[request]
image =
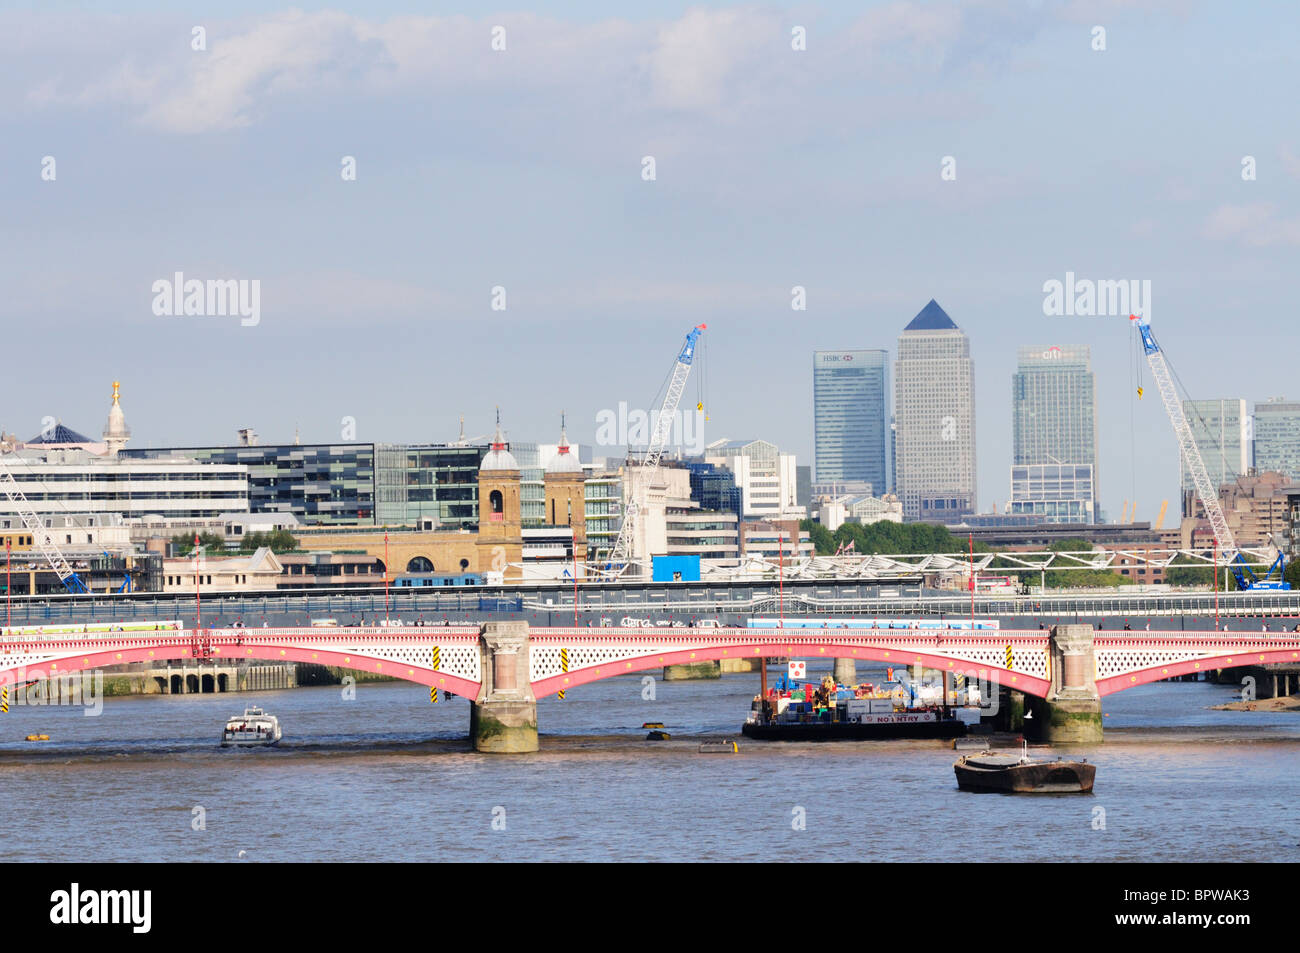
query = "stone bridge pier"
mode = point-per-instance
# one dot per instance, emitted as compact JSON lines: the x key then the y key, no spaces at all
{"x":503,"y":718}
{"x":1071,"y":712}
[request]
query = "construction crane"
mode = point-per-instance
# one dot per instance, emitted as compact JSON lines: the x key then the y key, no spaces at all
{"x":1206,"y":492}
{"x":616,"y":562}
{"x":41,"y":538}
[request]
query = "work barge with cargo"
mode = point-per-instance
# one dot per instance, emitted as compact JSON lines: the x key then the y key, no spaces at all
{"x":832,"y":712}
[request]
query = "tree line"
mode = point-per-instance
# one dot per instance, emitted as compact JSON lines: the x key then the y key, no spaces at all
{"x":279,"y":541}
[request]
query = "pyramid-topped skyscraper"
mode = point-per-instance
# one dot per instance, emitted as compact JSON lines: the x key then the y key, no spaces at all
{"x":934,"y":409}
{"x":932,"y":318}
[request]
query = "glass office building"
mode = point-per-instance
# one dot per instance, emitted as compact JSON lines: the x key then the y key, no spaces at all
{"x":1277,"y":437}
{"x":532,"y":483}
{"x":1053,"y":406}
{"x":1054,"y":434}
{"x":379,"y":484}
{"x":714,"y":488}
{"x":422,"y":482}
{"x":1220,"y":430}
{"x":603,"y":510}
{"x":851,"y":423}
{"x":1054,"y":493}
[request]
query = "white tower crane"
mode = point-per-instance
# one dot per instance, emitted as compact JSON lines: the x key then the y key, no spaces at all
{"x":42,"y":539}
{"x":618,"y":556}
{"x":1206,"y":491}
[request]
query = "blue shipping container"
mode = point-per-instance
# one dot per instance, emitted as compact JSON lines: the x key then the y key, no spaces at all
{"x":675,"y":568}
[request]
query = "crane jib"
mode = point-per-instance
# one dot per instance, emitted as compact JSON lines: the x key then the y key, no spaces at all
{"x":1148,"y":339}
{"x":617,"y":560}
{"x":1206,"y":491}
{"x":688,"y":349}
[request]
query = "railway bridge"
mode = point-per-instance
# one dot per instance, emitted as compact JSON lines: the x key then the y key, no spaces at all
{"x":504,"y":667}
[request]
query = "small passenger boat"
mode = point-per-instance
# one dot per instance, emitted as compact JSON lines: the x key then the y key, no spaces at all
{"x":254,"y":728}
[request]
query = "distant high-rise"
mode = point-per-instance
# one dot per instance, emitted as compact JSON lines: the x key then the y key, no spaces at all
{"x":1220,"y":430}
{"x":851,"y":417}
{"x":765,"y":476}
{"x":934,"y":410}
{"x":1054,"y":435}
{"x":1277,"y":437}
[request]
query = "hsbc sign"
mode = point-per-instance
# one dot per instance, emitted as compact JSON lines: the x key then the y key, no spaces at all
{"x":834,"y":358}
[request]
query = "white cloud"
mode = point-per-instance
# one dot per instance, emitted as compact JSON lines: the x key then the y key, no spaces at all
{"x":1254,"y":224}
{"x":730,"y":64}
{"x":698,"y":61}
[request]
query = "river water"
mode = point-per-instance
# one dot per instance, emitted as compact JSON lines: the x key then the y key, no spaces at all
{"x":388,"y":776}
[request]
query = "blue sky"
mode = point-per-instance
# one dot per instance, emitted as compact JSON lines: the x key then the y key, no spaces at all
{"x":522,"y":169}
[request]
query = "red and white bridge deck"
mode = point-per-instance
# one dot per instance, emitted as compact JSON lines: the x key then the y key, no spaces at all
{"x":450,"y":657}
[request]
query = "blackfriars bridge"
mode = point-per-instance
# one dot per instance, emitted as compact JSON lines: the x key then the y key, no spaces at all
{"x":504,"y":666}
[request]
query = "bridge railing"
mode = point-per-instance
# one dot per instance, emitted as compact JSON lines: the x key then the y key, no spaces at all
{"x":681,"y":599}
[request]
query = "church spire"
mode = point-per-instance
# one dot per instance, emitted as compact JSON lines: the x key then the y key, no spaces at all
{"x":116,"y":433}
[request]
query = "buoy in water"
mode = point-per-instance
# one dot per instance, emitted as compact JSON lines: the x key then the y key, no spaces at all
{"x":719,"y":747}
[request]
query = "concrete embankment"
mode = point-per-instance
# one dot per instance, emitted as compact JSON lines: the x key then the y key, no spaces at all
{"x":178,"y":679}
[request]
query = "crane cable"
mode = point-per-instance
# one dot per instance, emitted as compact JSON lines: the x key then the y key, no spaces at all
{"x":701,"y":376}
{"x":1134,"y":378}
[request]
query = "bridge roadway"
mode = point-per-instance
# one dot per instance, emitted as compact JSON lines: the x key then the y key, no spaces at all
{"x":609,"y":604}
{"x":451,"y":658}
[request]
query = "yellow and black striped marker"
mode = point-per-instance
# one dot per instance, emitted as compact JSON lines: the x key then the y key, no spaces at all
{"x":437,"y":658}
{"x":1008,"y":658}
{"x":433,"y":694}
{"x":564,"y":667}
{"x":4,"y":699}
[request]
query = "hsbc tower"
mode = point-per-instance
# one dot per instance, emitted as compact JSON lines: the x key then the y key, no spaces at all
{"x":851,"y":432}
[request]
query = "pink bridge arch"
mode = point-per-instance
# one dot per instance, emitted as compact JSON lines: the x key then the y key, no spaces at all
{"x":596,"y":654}
{"x":1129,"y":660}
{"x":448,"y":657}
{"x":402,"y":653}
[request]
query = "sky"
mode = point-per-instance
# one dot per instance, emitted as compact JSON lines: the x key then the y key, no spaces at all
{"x":127,"y":155}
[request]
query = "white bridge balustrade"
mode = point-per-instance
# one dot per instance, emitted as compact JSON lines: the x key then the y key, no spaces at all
{"x":450,"y":657}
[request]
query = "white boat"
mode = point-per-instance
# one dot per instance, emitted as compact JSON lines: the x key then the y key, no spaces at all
{"x":252,"y":729}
